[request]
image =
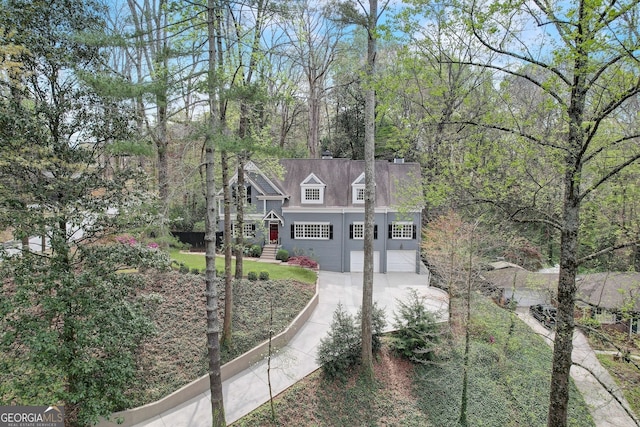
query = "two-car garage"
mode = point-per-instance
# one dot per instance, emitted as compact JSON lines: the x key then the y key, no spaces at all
{"x":397,"y":261}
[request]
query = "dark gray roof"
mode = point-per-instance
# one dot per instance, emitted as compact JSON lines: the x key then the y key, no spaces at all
{"x":262,"y":183}
{"x":394,"y":181}
{"x":607,"y":290}
{"x":507,"y":278}
{"x":610,"y":290}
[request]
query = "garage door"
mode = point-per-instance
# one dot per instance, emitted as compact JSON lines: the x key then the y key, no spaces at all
{"x":357,"y":262}
{"x":401,"y":261}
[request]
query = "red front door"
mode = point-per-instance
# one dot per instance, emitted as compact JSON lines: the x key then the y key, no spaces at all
{"x":273,"y":233}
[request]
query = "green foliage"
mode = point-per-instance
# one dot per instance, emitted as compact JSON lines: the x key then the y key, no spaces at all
{"x":184,"y":269}
{"x":82,"y":334}
{"x":340,"y":350}
{"x":282,"y":255}
{"x":195,"y":271}
{"x":264,"y":275}
{"x":70,"y":318}
{"x":508,"y":379}
{"x":416,"y":334}
{"x":252,"y":276}
{"x":255,"y":251}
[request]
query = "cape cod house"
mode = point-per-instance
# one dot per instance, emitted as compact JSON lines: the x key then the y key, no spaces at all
{"x":315,"y":207}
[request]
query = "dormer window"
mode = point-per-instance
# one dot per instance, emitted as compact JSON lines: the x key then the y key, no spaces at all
{"x":312,"y":190}
{"x":357,"y":189}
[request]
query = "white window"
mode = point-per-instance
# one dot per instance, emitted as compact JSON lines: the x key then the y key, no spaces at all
{"x":312,"y":195}
{"x":249,"y":230}
{"x":357,"y":189}
{"x":312,"y":190}
{"x":315,"y":231}
{"x":401,"y":230}
{"x":358,"y":230}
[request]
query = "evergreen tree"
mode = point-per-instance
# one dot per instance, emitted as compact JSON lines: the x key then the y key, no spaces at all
{"x":71,"y":323}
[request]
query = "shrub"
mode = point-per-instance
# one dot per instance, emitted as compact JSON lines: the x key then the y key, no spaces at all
{"x":252,"y":276}
{"x":378,"y":323}
{"x":255,"y":251}
{"x":282,"y":255}
{"x":416,"y":329}
{"x":303,"y":261}
{"x":183,"y":268}
{"x":195,"y":271}
{"x":340,"y":350}
{"x":264,"y":275}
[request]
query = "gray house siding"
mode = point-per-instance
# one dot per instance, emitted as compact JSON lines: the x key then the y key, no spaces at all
{"x":326,"y":251}
{"x":310,"y":210}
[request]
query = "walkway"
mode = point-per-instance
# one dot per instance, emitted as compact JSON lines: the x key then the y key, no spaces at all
{"x":605,"y":410}
{"x":248,"y":390}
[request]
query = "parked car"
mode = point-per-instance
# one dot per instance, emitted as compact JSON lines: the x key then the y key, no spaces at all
{"x":545,"y":314}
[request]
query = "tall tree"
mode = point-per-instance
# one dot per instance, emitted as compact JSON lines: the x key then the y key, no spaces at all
{"x":583,"y":61}
{"x":213,"y":324}
{"x":315,"y":43}
{"x":367,"y":17}
{"x":369,"y":187}
{"x":151,"y":55}
{"x":72,"y":325}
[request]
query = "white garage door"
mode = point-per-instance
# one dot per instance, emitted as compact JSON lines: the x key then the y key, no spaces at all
{"x":357,"y":262}
{"x":401,"y":261}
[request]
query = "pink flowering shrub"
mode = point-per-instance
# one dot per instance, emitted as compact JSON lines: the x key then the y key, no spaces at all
{"x":303,"y":261}
{"x":126,"y":240}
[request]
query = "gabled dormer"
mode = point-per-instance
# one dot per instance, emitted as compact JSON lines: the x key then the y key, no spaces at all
{"x":312,"y":190}
{"x":357,"y":190}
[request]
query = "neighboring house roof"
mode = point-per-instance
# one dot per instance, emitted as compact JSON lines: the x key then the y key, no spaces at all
{"x":607,"y":290}
{"x":393,"y":180}
{"x":610,"y":290}
{"x":518,"y":277}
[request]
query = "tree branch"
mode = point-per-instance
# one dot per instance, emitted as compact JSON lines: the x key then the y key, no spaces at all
{"x":607,"y":250}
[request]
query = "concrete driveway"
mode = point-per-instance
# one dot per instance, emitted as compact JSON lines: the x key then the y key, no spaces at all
{"x":606,"y":410}
{"x":249,"y":389}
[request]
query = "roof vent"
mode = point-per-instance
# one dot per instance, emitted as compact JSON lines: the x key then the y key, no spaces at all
{"x":326,"y":154}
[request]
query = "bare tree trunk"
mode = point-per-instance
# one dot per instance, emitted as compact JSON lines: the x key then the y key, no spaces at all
{"x":240,"y":198}
{"x":314,"y":123}
{"x":563,"y":345}
{"x":228,"y":246}
{"x":213,"y":324}
{"x":369,"y":194}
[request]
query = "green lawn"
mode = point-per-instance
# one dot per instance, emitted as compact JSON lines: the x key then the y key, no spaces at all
{"x":276,"y":271}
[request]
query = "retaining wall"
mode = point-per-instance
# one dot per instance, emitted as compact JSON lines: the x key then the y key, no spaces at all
{"x":141,"y":414}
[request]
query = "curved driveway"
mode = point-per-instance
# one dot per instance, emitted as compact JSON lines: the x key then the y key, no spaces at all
{"x":249,"y":389}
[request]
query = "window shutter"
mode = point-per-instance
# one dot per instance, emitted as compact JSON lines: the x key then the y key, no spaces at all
{"x":330,"y":231}
{"x":375,"y":231}
{"x":293,"y":231}
{"x":351,"y":231}
{"x":390,"y":230}
{"x":414,"y":230}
